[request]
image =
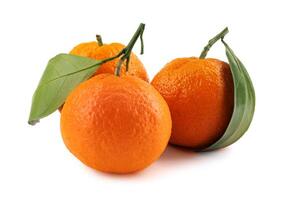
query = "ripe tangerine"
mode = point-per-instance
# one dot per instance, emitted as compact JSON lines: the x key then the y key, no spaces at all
{"x":200,"y":96}
{"x":116,"y":124}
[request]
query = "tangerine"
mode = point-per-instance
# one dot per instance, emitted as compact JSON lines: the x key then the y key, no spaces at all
{"x":200,"y":96}
{"x":102,"y":51}
{"x":117,"y":124}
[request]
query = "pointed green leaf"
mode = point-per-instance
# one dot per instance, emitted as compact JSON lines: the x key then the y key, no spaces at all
{"x":62,"y":74}
{"x":244,"y":103}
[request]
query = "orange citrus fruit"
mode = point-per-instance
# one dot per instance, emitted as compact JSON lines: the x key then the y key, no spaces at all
{"x":200,"y":96}
{"x":94,"y":50}
{"x":116,"y":124}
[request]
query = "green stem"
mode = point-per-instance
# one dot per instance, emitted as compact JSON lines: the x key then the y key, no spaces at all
{"x":128,"y":49}
{"x":99,"y":40}
{"x":125,"y":53}
{"x":211,"y":42}
{"x":111,"y":58}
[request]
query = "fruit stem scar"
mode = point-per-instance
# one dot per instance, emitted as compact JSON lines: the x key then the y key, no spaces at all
{"x":99,"y":40}
{"x":211,"y":42}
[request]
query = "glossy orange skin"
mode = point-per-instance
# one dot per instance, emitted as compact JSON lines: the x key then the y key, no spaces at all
{"x":200,"y":96}
{"x":93,"y":50}
{"x":116,"y":124}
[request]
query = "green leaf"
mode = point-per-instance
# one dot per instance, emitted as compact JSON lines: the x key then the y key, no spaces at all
{"x":244,"y":103}
{"x":62,"y":74}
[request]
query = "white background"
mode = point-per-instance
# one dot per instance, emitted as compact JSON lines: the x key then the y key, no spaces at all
{"x":34,"y":163}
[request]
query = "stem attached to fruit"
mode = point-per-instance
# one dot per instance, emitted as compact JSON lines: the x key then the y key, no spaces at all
{"x":99,"y":40}
{"x":126,"y":52}
{"x":221,"y":35}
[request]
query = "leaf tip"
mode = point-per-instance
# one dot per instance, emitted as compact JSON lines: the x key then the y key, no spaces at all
{"x":33,"y":122}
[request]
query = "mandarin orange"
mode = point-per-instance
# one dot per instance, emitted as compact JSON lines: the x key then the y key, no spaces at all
{"x":103,"y":51}
{"x":117,"y":124}
{"x":200,"y":95}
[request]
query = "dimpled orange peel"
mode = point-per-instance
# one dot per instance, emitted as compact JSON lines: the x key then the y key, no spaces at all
{"x":116,"y":124}
{"x":199,"y":93}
